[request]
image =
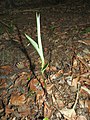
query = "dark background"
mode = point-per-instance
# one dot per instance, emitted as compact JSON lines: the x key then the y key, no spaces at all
{"x":37,"y":3}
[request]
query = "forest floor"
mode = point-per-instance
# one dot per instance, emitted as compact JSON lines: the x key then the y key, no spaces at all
{"x":63,"y":93}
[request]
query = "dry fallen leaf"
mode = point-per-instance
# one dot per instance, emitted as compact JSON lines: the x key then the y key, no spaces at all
{"x":81,"y":118}
{"x":85,"y":81}
{"x":49,"y":88}
{"x":1,"y":107}
{"x":82,"y":103}
{"x":5,"y":36}
{"x":47,"y":110}
{"x":57,"y":100}
{"x":24,"y":110}
{"x":87,"y":74}
{"x":8,"y":110}
{"x":6,"y":69}
{"x":87,"y":53}
{"x":40,"y":97}
{"x":14,"y":118}
{"x":37,"y":84}
{"x":69,"y":114}
{"x":85,"y":89}
{"x":87,"y":105}
{"x":83,"y":62}
{"x":51,"y":69}
{"x":22,"y":79}
{"x":22,"y":64}
{"x":17,"y":99}
{"x":33,"y":84}
{"x":60,"y":103}
{"x":75,"y":63}
{"x":69,"y":80}
{"x":3,"y":83}
{"x":57,"y":75}
{"x":75,"y":82}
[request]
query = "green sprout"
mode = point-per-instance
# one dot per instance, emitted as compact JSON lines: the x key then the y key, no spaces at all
{"x":38,"y":46}
{"x":45,"y":118}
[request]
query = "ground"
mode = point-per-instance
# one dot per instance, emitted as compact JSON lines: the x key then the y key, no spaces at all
{"x":63,"y":91}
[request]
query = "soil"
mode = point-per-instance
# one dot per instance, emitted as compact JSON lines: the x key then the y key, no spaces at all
{"x":65,"y":31}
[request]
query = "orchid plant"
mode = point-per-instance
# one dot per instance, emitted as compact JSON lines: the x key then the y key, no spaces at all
{"x":38,"y":46}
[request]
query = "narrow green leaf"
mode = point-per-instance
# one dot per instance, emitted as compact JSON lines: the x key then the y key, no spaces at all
{"x":44,"y":68}
{"x":39,"y":38}
{"x":38,"y":32}
{"x":35,"y":45}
